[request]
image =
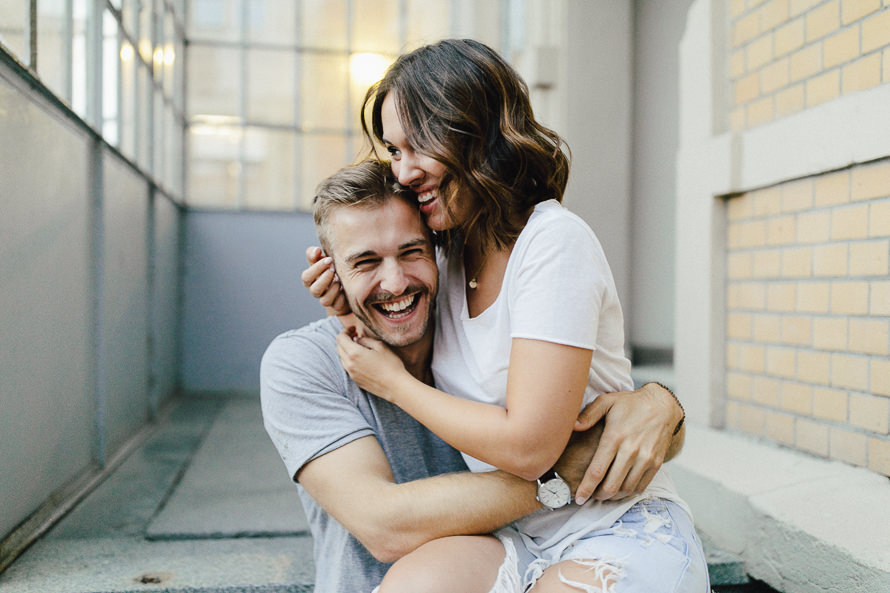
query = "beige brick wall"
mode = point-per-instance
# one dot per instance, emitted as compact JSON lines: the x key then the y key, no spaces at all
{"x":789,"y":55}
{"x":808,"y":297}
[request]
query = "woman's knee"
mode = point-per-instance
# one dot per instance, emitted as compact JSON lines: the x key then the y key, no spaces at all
{"x":446,"y":565}
{"x":587,"y":576}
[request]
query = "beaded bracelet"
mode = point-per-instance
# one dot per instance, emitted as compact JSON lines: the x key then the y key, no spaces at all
{"x":676,"y":399}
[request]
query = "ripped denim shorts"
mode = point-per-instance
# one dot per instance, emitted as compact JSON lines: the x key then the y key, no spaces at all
{"x":652,"y":548}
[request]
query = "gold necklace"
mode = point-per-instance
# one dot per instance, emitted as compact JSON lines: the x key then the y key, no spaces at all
{"x":473,"y":283}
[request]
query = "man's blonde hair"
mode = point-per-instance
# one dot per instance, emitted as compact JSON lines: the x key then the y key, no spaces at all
{"x":366,"y":184}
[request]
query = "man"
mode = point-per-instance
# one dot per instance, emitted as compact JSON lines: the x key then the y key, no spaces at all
{"x":374,"y":483}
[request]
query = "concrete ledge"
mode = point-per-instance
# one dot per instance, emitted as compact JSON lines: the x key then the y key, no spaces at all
{"x":800,"y":523}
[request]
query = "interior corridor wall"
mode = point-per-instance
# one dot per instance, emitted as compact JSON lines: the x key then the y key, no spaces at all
{"x":89,"y":290}
{"x":241,"y":288}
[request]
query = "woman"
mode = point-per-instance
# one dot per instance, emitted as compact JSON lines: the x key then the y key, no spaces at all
{"x":529,"y":328}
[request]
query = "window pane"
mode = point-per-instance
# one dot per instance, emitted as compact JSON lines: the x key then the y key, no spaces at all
{"x":427,"y":22}
{"x":272,"y":21}
{"x":159,"y":142}
{"x":214,"y":85}
{"x":376,"y":26}
{"x":270,"y":86}
{"x":144,"y":107}
{"x":79,"y":59}
{"x":480,"y":21}
{"x":173,"y":154}
{"x":169,"y":53}
{"x":269,"y":169}
{"x":128,"y":100}
{"x":179,"y":75}
{"x":324,"y":24}
{"x":52,"y":47}
{"x":130,"y":16}
{"x":13,"y":23}
{"x":214,"y":167}
{"x":323,"y":92}
{"x":110,"y":72}
{"x":215,"y":20}
{"x":365,"y":69}
{"x":321,"y":155}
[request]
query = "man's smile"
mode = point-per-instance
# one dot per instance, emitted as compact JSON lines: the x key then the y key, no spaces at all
{"x":398,"y":308}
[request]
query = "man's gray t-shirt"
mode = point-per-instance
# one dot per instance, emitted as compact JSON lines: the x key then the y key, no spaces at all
{"x":311,"y":407}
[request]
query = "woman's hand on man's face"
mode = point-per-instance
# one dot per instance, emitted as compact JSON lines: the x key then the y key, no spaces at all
{"x":322,"y":282}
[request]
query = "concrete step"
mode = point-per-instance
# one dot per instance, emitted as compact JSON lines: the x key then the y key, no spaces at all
{"x":203,"y":505}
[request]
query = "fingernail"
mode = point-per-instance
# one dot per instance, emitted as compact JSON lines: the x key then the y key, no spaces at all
{"x":336,"y":278}
{"x":579,"y":500}
{"x":327,"y":260}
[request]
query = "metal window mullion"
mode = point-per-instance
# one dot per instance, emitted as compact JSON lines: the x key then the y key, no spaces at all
{"x":403,"y":25}
{"x":241,"y":197}
{"x":93,"y":52}
{"x":350,"y":31}
{"x":67,"y":48}
{"x":31,"y":34}
{"x":454,"y":18}
{"x":505,"y":29}
{"x":298,"y":107}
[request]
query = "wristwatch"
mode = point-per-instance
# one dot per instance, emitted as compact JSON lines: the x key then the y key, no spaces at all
{"x":553,"y":491}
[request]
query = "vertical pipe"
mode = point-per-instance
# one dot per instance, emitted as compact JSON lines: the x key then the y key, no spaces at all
{"x":97,"y":260}
{"x":31,"y":35}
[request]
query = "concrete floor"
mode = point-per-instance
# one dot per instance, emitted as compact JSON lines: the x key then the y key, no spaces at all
{"x":203,"y":504}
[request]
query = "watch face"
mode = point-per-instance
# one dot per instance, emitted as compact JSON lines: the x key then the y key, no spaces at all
{"x":554,"y":493}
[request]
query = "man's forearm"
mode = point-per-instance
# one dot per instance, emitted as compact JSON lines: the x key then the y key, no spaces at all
{"x":452,"y":504}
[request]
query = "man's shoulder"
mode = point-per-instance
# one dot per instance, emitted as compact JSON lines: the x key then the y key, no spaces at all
{"x":301,"y":346}
{"x":322,"y":330}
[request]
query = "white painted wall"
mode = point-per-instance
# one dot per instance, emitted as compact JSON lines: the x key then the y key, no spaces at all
{"x":241,"y":288}
{"x":125,"y":312}
{"x":46,"y":400}
{"x":76,"y":258}
{"x":597,"y":94}
{"x":658,"y":27}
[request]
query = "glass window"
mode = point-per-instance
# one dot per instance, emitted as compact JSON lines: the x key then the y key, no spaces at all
{"x":78,"y":56}
{"x":173,"y":154}
{"x":110,"y":79}
{"x":272,"y":21}
{"x":214,"y":170}
{"x":214,"y":83}
{"x":324,"y":24}
{"x":128,"y":115}
{"x":170,"y":56}
{"x":320,"y":155}
{"x":376,"y":26}
{"x":145,"y":110}
{"x":426,"y":22}
{"x":159,"y":140}
{"x":53,"y":47}
{"x":323,"y":92}
{"x":269,"y":169}
{"x":14,"y":28}
{"x":125,"y":86}
{"x":215,"y":20}
{"x":271,"y":86}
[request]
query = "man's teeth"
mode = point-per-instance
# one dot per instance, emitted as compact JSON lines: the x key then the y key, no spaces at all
{"x":426,"y":197}
{"x":398,"y":306}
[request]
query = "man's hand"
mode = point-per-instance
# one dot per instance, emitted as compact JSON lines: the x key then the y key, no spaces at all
{"x":573,"y":463}
{"x":637,"y":437}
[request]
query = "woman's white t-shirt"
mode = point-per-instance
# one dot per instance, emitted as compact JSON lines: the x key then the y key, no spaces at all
{"x":557,"y":288}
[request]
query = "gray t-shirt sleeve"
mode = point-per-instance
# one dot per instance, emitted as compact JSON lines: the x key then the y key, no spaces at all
{"x":309,"y":406}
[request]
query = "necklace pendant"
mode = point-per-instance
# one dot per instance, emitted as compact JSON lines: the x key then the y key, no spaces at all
{"x":473,"y":284}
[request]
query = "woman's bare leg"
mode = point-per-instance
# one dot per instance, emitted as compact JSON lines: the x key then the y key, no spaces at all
{"x":469,"y":564}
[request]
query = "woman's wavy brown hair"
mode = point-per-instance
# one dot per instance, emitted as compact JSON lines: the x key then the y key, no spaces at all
{"x":462,"y":104}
